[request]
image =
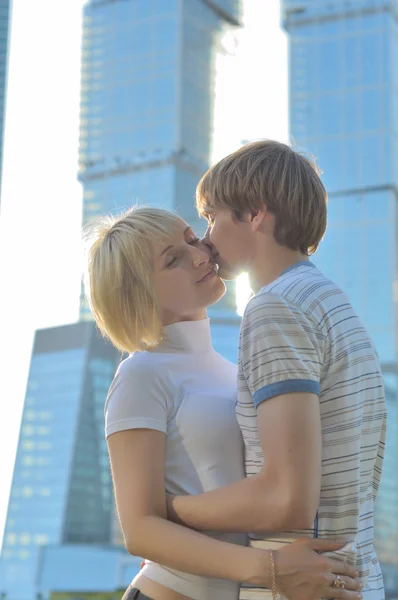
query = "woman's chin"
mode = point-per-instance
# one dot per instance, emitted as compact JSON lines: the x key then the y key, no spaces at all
{"x":219,"y":290}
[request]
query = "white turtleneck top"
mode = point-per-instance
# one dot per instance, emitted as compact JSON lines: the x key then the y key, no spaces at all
{"x":185,"y":389}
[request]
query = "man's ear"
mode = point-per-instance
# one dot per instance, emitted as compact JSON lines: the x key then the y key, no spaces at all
{"x":258,"y":217}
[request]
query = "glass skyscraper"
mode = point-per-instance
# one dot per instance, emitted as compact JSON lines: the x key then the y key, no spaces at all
{"x":5,"y":10}
{"x":344,"y":111}
{"x":386,"y":525}
{"x":61,"y":489}
{"x":148,"y":77}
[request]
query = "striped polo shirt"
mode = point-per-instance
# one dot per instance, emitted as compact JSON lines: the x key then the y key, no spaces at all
{"x":301,"y":334}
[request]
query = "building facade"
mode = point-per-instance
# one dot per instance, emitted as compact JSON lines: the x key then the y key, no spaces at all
{"x":147,"y":94}
{"x":148,"y":78}
{"x":5,"y":17}
{"x":61,"y":490}
{"x":344,"y":111}
{"x":107,"y":572}
{"x":386,"y":518}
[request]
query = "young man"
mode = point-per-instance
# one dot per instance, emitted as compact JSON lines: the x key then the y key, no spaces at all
{"x":310,"y":396}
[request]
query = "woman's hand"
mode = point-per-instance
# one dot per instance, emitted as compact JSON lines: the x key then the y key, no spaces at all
{"x":303,"y":574}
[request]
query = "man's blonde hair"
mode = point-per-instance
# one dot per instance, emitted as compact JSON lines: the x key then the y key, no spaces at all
{"x":119,"y":277}
{"x":274,"y":174}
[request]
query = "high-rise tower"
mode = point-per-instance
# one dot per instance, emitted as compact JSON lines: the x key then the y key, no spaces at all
{"x":148,"y":75}
{"x":344,"y":111}
{"x":61,"y":490}
{"x":5,"y":13}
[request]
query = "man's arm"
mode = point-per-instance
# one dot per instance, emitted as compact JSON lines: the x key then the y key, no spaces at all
{"x":285,"y":494}
{"x":281,"y":359}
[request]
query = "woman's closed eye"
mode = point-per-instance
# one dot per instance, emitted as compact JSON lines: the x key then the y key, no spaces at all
{"x":194,"y":241}
{"x":172,"y":260}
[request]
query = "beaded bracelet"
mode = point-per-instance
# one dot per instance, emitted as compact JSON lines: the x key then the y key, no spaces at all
{"x":273,"y":575}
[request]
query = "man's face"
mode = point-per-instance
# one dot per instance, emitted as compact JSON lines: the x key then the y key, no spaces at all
{"x":230,"y":241}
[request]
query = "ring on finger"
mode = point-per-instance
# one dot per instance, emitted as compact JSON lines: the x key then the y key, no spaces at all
{"x":338,"y":582}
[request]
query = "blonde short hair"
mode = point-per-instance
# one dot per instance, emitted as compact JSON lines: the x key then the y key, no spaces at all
{"x":274,"y":174}
{"x":119,"y":277}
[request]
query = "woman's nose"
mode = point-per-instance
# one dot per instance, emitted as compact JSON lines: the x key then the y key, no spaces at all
{"x":200,"y":257}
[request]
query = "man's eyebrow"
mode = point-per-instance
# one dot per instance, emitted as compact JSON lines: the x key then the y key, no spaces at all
{"x":171,"y":246}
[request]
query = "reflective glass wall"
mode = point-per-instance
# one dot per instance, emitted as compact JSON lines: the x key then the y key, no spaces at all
{"x":61,"y":490}
{"x":147,"y":94}
{"x":344,"y":111}
{"x":147,"y":101}
{"x":386,"y":517}
{"x":5,"y":14}
{"x":148,"y":76}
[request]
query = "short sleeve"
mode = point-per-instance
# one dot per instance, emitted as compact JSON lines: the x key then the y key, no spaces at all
{"x":137,"y":398}
{"x":281,"y":349}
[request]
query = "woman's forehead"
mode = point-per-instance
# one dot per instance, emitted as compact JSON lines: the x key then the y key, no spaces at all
{"x":172,"y":237}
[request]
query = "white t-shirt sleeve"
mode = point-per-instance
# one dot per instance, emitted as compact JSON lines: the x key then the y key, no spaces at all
{"x":137,"y":399}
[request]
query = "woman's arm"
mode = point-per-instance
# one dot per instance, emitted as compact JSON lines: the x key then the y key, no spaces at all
{"x":137,"y":461}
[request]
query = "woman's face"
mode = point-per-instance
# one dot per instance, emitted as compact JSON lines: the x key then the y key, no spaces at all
{"x":185,"y":279}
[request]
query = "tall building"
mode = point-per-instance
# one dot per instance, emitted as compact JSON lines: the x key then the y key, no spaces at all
{"x":148,"y":77}
{"x":61,"y":490}
{"x":344,"y":111}
{"x":5,"y":14}
{"x":93,"y":573}
{"x":148,"y":74}
{"x":386,"y":530}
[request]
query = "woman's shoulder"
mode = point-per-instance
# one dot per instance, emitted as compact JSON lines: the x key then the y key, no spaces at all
{"x":141,"y":364}
{"x":142,"y":373}
{"x":139,"y":388}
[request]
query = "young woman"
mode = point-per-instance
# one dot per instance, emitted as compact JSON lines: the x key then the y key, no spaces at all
{"x":170,"y":418}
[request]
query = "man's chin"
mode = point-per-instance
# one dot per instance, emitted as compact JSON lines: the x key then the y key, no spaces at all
{"x":227,"y":273}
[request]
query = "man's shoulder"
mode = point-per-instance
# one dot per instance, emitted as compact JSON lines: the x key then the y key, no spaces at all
{"x":304,"y":295}
{"x":294,"y":289}
{"x":305,"y":289}
{"x":302,"y":285}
